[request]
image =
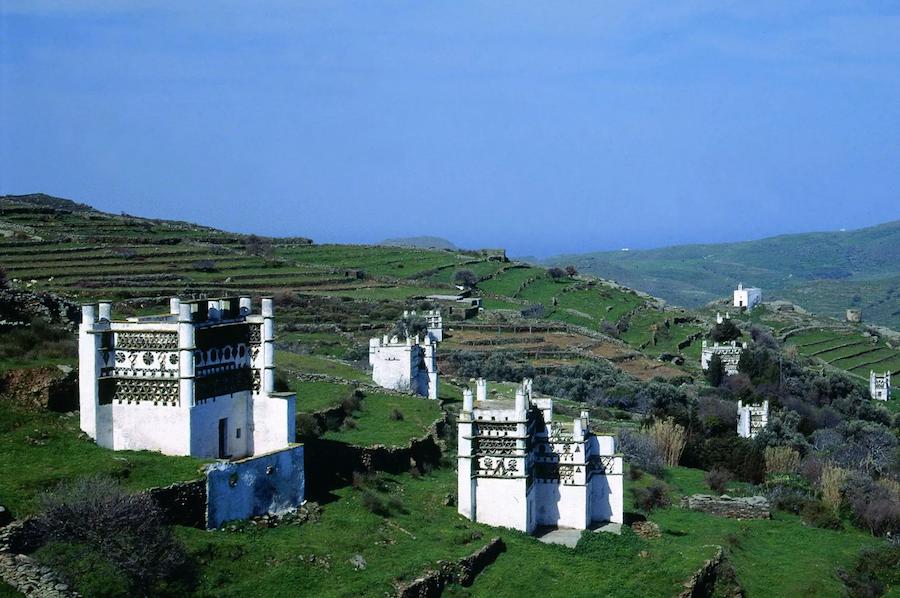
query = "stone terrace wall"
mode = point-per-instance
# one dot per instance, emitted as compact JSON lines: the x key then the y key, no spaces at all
{"x":24,"y":573}
{"x":752,"y":507}
{"x":463,"y":572}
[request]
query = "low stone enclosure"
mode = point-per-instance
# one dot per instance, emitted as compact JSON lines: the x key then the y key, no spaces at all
{"x":267,"y":484}
{"x":750,"y":507}
{"x":463,"y":572}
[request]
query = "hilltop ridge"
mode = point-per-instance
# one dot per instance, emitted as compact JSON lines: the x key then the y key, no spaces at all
{"x":825,"y":272}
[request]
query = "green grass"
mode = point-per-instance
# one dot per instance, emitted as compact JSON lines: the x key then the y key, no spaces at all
{"x":40,"y":450}
{"x":375,"y":426}
{"x":311,"y":364}
{"x":316,"y":396}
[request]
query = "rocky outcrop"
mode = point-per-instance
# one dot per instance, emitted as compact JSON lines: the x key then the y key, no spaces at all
{"x":751,"y":507}
{"x":39,"y":389}
{"x":463,"y":572}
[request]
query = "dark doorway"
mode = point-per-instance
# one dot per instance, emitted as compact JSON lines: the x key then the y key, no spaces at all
{"x":223,"y":438}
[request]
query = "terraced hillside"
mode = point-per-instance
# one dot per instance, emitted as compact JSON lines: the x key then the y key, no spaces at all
{"x":824,"y":272}
{"x":51,"y":244}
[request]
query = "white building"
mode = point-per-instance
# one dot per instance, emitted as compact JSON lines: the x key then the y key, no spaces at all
{"x":197,"y":381}
{"x":520,"y":469}
{"x":747,"y":298}
{"x":752,"y":419}
{"x":408,"y":365}
{"x":729,"y":353}
{"x":880,"y":386}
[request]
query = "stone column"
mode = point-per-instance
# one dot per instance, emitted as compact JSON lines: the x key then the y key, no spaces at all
{"x":174,"y":306}
{"x":465,"y":482}
{"x":481,"y":389}
{"x":104,"y":311}
{"x":246,"y":306}
{"x":88,"y":371}
{"x":186,"y":347}
{"x":268,"y":347}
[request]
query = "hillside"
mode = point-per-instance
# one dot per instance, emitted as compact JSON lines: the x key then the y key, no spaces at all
{"x":420,"y":243}
{"x":591,"y":344}
{"x":824,"y":272}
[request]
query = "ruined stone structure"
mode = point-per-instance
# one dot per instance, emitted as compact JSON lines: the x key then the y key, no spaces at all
{"x":457,"y":307}
{"x":752,"y":419}
{"x":749,"y":507}
{"x":408,"y":365}
{"x":729,"y":353}
{"x":854,"y":316}
{"x":433,"y":321}
{"x":880,"y":386}
{"x":747,"y":298}
{"x":518,"y":468}
{"x":196,"y":381}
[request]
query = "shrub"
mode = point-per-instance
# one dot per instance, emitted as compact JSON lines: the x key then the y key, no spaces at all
{"x":715,"y":371}
{"x":670,"y":439}
{"x":571,"y":271}
{"x":352,"y":403}
{"x":641,"y":451}
{"x":876,"y":569}
{"x":872,"y":506}
{"x":830,"y":483}
{"x":725,"y":332}
{"x":556,"y":273}
{"x":717,"y":479}
{"x":95,"y":521}
{"x":781,"y":459}
{"x":652,"y":497}
{"x":635,"y":473}
{"x":396,"y":415}
{"x":349,"y":424}
{"x":308,"y":426}
{"x":465,"y":278}
{"x":817,"y":514}
{"x":205,"y":266}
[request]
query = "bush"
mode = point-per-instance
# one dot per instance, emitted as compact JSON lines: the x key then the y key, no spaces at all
{"x":830,"y":483}
{"x":93,"y":522}
{"x":876,"y":569}
{"x":670,"y":438}
{"x":817,"y":514}
{"x":465,"y":278}
{"x":205,"y":266}
{"x":396,"y":415}
{"x":635,"y":473}
{"x":641,"y":451}
{"x":717,"y":479}
{"x":872,"y":506}
{"x":652,"y":497}
{"x":781,"y":459}
{"x":725,"y":332}
{"x":308,"y":426}
{"x":556,"y":273}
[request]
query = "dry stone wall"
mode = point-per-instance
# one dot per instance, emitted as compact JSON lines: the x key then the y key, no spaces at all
{"x":463,"y":572}
{"x":751,"y":507}
{"x":25,"y":574}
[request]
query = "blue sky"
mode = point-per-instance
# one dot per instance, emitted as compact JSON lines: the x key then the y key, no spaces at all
{"x":541,"y":127}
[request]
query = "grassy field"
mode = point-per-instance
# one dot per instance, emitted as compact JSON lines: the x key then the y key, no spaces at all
{"x":40,"y":450}
{"x":391,"y":420}
{"x":290,"y":363}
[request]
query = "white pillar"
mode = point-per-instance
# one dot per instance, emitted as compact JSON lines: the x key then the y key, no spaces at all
{"x":467,"y":399}
{"x":465,"y":483}
{"x":246,"y":306}
{"x":104,"y":311}
{"x":186,"y":346}
{"x":268,"y":347}
{"x":174,"y":306}
{"x":481,"y":389}
{"x":88,"y":371}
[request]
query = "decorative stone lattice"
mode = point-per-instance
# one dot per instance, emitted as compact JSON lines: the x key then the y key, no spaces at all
{"x":146,"y":340}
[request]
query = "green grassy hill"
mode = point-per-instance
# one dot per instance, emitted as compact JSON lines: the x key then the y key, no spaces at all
{"x":824,"y":272}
